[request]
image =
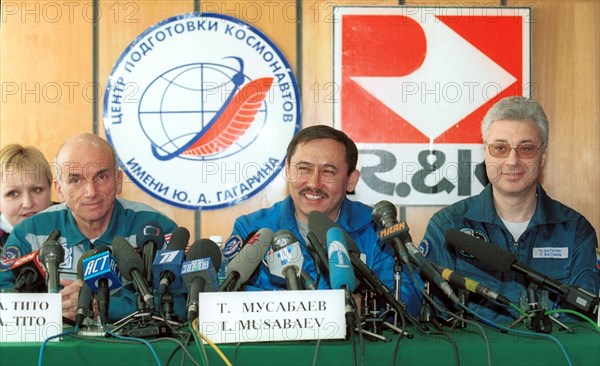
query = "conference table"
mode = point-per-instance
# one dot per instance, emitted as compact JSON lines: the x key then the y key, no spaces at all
{"x":582,"y":348}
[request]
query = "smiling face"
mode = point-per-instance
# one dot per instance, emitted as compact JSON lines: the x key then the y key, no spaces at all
{"x":318,"y":179}
{"x":88,"y":181}
{"x":514,"y":176}
{"x":23,"y":194}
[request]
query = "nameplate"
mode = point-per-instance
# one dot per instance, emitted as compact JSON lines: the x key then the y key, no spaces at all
{"x":265,"y":316}
{"x":30,"y":317}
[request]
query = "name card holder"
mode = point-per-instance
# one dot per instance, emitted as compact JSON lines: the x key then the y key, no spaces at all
{"x":266,"y":316}
{"x":26,"y":317}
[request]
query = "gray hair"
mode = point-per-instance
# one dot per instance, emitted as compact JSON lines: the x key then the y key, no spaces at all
{"x":516,"y":108}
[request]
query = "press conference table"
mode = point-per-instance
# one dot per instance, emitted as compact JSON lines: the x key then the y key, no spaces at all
{"x":583,"y":348}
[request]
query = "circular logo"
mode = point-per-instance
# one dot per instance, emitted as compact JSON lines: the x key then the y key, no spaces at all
{"x":200,"y":109}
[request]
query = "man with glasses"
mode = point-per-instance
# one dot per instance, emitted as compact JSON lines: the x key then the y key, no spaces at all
{"x":515,"y":213}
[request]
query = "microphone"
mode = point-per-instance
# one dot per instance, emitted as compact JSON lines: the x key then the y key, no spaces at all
{"x":84,"y":300}
{"x":319,"y":224}
{"x":459,"y":280}
{"x":199,"y":272}
{"x":286,"y":259}
{"x":384,"y":215}
{"x":149,"y":238}
{"x":131,"y":267}
{"x":307,"y":281}
{"x":29,"y":273}
{"x":341,"y":273}
{"x":167,"y":262}
{"x":101,"y":274}
{"x":52,"y":254}
{"x":243,"y":264}
{"x":503,"y":261}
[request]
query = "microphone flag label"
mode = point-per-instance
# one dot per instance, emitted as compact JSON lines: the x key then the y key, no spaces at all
{"x":168,"y":260}
{"x":99,"y":266}
{"x":191,"y":105}
{"x":415,"y":83}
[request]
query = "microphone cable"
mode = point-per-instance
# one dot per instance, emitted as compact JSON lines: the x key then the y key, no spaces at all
{"x":137,"y":340}
{"x":449,"y":336}
{"x":196,"y":333}
{"x":520,"y":332}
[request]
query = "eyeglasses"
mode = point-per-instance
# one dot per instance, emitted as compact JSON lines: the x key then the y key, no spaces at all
{"x":502,"y":150}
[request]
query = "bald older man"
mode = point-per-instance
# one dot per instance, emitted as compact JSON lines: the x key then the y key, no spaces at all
{"x":88,"y":182}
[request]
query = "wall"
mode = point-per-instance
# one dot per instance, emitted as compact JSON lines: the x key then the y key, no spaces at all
{"x":52,"y":52}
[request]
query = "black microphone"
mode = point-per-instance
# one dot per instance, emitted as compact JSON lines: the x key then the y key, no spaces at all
{"x":320,"y":224}
{"x":243,"y":264}
{"x":84,"y":300}
{"x":503,"y":261}
{"x":286,"y":259}
{"x":199,"y":272}
{"x":101,"y":274}
{"x":167,"y":263}
{"x":132,"y":267}
{"x":29,"y":273}
{"x":461,"y":281}
{"x":384,"y":215}
{"x":52,"y":254}
{"x":149,"y":238}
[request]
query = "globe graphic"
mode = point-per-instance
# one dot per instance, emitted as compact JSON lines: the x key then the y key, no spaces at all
{"x":180,"y":104}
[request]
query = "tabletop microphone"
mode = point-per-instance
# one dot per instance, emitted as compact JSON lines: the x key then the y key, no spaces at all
{"x":52,"y":254}
{"x":132,"y":267}
{"x":166,"y":267}
{"x":503,"y":261}
{"x":243,"y":264}
{"x":30,"y":275}
{"x":384,"y":215}
{"x":286,"y":259}
{"x":341,"y":272}
{"x":475,"y":287}
{"x":84,"y":300}
{"x":318,"y":225}
{"x":101,"y":274}
{"x":149,"y":238}
{"x":199,"y":272}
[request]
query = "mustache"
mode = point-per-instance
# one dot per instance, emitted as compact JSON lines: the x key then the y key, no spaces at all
{"x":314,"y":191}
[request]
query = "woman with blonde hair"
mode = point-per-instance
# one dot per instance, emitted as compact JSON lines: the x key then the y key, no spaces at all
{"x":25,"y":188}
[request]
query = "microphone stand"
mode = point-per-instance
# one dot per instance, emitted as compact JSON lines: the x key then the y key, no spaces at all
{"x":458,"y":321}
{"x":538,"y":320}
{"x":142,"y":323}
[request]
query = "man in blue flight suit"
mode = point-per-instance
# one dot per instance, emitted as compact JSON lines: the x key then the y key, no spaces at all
{"x":515,"y":213}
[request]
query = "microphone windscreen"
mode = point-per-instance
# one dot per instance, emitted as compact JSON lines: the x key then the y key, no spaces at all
{"x":205,"y":248}
{"x":250,"y":256}
{"x":150,"y":232}
{"x":179,"y":239}
{"x":496,"y":258}
{"x":341,"y":272}
{"x":126,"y":257}
{"x":319,"y":224}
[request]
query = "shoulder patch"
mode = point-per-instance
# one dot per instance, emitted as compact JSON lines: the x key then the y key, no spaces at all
{"x":475,"y":233}
{"x":8,"y":257}
{"x":232,"y":246}
{"x":424,"y":247}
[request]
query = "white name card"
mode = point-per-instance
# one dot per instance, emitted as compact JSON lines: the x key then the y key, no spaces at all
{"x":262,"y":316}
{"x":30,"y":317}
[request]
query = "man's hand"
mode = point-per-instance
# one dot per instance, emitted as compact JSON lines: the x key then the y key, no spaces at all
{"x":70,"y":294}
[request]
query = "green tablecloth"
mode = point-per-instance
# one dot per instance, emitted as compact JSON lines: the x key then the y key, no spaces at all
{"x":583,"y":348}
